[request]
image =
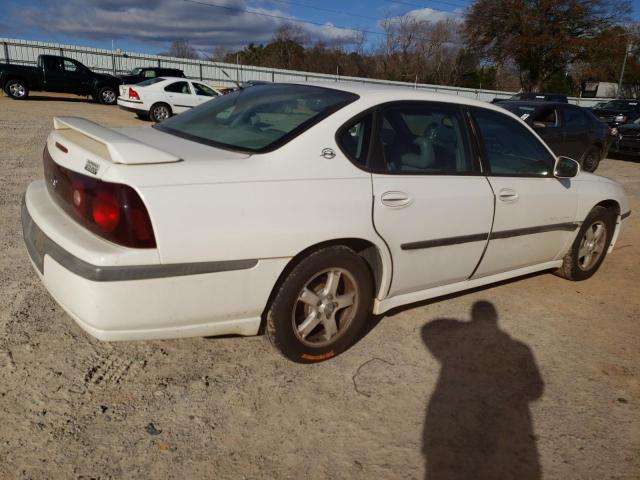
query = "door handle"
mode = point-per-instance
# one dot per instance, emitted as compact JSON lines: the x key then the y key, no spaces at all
{"x":508,"y":195}
{"x":395,"y":199}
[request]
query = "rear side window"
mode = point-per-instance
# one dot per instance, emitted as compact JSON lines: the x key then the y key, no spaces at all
{"x":424,"y":138}
{"x":548,"y":116}
{"x":510,"y":148}
{"x":149,"y":74}
{"x":354,"y":139}
{"x":178,"y":87}
{"x":203,"y":90}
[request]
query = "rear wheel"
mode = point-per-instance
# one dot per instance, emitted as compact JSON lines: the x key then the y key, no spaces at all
{"x":17,"y":89}
{"x":107,"y":96}
{"x":591,"y":159}
{"x":160,"y":112}
{"x":321,"y":306}
{"x":590,"y":246}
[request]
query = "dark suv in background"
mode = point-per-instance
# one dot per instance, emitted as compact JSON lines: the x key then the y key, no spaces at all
{"x":569,"y":130}
{"x":618,"y":112}
{"x":141,"y":74}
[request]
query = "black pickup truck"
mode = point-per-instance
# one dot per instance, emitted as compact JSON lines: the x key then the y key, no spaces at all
{"x":58,"y":74}
{"x":141,"y":74}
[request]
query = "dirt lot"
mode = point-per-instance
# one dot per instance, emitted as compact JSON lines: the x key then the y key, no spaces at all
{"x":552,"y":391}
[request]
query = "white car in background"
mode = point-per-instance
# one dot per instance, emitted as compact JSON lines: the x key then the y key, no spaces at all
{"x":162,"y":97}
{"x":304,"y":209}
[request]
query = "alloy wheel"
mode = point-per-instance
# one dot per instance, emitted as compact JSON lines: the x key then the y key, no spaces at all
{"x":325,"y":307}
{"x":592,"y":245}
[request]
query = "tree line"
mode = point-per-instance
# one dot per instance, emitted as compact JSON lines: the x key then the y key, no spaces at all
{"x":528,"y":45}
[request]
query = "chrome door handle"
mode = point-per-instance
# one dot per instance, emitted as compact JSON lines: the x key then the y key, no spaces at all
{"x":508,"y":195}
{"x":395,"y":199}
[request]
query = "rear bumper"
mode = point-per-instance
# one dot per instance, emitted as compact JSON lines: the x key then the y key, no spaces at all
{"x":134,"y":107}
{"x":140,"y":302}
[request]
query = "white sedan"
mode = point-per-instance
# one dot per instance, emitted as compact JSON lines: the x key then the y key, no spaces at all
{"x":161,"y":97}
{"x":304,"y":209}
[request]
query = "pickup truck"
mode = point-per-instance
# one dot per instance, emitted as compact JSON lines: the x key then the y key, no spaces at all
{"x":58,"y":74}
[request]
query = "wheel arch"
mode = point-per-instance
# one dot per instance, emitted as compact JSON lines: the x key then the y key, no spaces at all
{"x":6,"y":79}
{"x":614,"y":207}
{"x":369,"y":251}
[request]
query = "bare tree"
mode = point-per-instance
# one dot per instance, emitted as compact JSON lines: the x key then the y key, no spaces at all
{"x":181,"y":48}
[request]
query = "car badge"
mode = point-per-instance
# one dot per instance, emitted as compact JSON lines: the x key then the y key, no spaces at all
{"x":54,"y":182}
{"x":328,"y":153}
{"x":92,"y":167}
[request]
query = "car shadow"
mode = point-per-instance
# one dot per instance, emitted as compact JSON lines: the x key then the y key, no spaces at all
{"x":478,"y":424}
{"x":45,"y":98}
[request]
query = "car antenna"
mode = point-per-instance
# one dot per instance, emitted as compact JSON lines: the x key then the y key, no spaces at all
{"x":240,"y":87}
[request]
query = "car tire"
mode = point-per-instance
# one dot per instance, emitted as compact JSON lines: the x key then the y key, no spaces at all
{"x":590,"y":159}
{"x":320,"y":308}
{"x":16,"y":89}
{"x":107,"y":96}
{"x":590,"y":246}
{"x":159,"y":112}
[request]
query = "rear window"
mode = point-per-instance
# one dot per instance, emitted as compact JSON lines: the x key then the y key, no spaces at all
{"x":258,"y":119}
{"x":151,"y":81}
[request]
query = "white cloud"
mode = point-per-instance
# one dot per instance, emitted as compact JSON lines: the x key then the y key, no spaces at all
{"x":428,"y":15}
{"x":159,"y":22}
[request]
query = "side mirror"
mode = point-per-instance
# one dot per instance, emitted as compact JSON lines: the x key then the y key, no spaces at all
{"x":566,"y":168}
{"x":537,"y":125}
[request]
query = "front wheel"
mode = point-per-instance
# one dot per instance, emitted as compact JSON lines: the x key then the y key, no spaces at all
{"x":591,"y":159}
{"x":17,"y":89}
{"x":321,"y":306}
{"x":107,"y":96}
{"x":590,"y":246}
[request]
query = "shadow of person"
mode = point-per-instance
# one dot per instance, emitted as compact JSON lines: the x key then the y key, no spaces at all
{"x":478,"y":425}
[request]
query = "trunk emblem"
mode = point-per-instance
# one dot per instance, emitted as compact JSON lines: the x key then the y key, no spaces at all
{"x":54,"y":182}
{"x":328,"y":153}
{"x":92,"y":167}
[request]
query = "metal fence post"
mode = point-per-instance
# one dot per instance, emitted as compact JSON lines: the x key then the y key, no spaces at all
{"x":158,"y":63}
{"x":61,"y":52}
{"x":113,"y":63}
{"x":200,"y":65}
{"x":6,"y":52}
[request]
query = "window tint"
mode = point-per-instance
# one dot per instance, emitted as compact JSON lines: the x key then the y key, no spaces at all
{"x":178,"y":87}
{"x":149,"y":74}
{"x":259,"y":118}
{"x":574,"y":118}
{"x":203,"y":90}
{"x":354,"y":140}
{"x":424,"y":138}
{"x":52,"y":64}
{"x":70,"y":66}
{"x":548,"y":116}
{"x":510,"y":148}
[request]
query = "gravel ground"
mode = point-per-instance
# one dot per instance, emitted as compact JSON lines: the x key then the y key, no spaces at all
{"x":552,"y":390}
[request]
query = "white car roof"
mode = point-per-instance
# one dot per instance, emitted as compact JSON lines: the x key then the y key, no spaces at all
{"x":391,"y":93}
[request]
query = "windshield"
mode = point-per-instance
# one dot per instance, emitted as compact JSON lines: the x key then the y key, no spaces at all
{"x":258,"y":119}
{"x":620,"y":105}
{"x":151,"y":81}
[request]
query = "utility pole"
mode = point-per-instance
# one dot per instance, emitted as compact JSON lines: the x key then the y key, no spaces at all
{"x":627,"y":51}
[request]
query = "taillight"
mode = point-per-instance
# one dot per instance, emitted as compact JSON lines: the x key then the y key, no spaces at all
{"x":133,"y":94}
{"x":111,"y":210}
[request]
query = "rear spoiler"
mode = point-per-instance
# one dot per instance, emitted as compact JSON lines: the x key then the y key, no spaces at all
{"x":119,"y":147}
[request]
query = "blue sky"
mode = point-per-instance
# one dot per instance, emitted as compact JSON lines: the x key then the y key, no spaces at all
{"x":151,"y":25}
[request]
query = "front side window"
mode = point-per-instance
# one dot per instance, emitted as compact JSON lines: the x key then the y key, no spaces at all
{"x":424,"y":138}
{"x":259,"y":118}
{"x":178,"y":87}
{"x":70,"y":67}
{"x":354,"y":139}
{"x":547,"y":116}
{"x":510,"y":148}
{"x":203,"y":90}
{"x":149,"y":74}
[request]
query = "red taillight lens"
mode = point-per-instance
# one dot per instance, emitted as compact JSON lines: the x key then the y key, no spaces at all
{"x":105,"y":211}
{"x":133,"y":94}
{"x":110,"y":210}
